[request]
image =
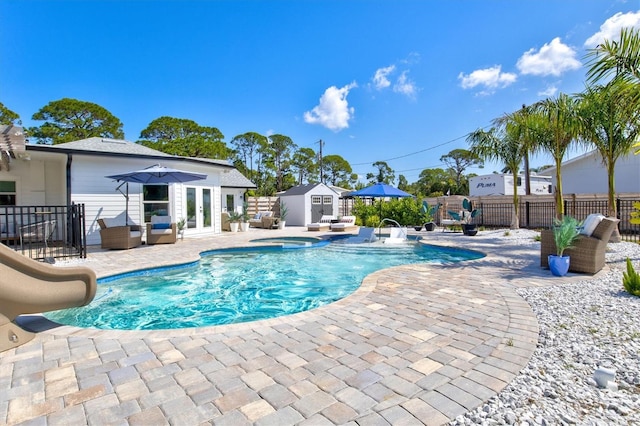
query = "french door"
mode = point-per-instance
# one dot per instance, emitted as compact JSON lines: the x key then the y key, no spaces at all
{"x":199,"y":208}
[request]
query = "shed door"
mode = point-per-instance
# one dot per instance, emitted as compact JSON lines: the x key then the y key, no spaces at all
{"x":321,"y":205}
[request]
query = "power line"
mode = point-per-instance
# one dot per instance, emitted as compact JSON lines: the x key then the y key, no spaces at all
{"x":416,"y":152}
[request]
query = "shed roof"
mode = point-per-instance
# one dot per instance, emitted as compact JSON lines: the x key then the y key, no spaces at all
{"x":304,"y":189}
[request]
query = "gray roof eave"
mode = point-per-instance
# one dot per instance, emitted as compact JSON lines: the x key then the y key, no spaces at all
{"x":50,"y":149}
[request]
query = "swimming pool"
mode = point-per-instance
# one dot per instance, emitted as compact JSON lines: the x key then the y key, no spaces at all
{"x":240,"y":285}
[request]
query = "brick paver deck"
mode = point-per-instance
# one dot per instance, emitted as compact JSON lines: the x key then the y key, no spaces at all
{"x":417,"y":344}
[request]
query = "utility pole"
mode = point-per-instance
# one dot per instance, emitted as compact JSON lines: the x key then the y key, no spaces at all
{"x":320,"y":142}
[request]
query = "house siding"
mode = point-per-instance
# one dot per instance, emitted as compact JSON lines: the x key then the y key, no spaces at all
{"x":587,"y":175}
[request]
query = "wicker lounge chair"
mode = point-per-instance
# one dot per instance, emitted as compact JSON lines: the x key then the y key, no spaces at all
{"x":587,"y":255}
{"x":116,"y":236}
{"x":161,"y":230}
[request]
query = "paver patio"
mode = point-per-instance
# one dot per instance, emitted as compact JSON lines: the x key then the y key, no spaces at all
{"x":415,"y":344}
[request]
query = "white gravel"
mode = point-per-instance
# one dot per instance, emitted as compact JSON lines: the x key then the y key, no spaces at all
{"x":583,"y":326}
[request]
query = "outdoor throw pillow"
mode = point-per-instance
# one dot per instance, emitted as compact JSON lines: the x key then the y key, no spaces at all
{"x":590,"y":224}
{"x":161,"y":226}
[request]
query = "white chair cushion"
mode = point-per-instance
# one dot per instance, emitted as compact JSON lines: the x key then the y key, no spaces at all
{"x":135,"y":234}
{"x":161,"y":231}
{"x":590,"y":224}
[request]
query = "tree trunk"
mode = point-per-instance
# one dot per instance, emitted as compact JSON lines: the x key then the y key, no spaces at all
{"x":613,"y":211}
{"x":515,"y":220}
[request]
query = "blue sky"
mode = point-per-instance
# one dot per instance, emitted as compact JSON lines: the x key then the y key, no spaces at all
{"x":395,"y":81}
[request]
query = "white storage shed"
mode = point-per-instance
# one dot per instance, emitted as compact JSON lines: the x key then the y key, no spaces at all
{"x":308,"y":203}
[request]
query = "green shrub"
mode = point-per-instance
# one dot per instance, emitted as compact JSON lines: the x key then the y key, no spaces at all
{"x":631,"y":279}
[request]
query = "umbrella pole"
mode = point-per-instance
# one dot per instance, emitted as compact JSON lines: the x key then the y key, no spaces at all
{"x":126,"y":204}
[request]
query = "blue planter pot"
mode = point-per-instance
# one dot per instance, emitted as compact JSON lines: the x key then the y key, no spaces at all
{"x":559,"y":265}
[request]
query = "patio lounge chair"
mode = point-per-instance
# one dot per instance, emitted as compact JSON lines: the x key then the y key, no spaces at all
{"x":322,"y":225}
{"x":365,"y":235}
{"x":161,"y":230}
{"x":114,"y":234}
{"x":588,"y":252}
{"x":346,"y":222}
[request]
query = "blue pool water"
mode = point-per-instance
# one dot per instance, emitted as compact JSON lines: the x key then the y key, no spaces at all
{"x":239,"y":285}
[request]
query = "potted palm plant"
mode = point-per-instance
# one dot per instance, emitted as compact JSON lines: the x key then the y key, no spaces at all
{"x":283,"y":215}
{"x":234,"y":220}
{"x":180,"y":225}
{"x":565,"y":233}
{"x":244,"y":224}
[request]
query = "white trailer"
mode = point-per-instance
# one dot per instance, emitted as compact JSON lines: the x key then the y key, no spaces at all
{"x":502,"y":184}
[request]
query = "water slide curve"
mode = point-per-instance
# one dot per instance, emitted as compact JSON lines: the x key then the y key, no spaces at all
{"x":30,"y":287}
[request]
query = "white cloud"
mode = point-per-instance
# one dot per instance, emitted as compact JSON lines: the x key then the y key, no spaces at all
{"x":333,"y":111}
{"x":489,"y":78}
{"x":380,"y":80}
{"x":552,"y":59}
{"x":405,"y":86}
{"x":549,"y":91}
{"x":610,"y":30}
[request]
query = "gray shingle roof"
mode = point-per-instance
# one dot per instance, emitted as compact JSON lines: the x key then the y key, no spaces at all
{"x":115,"y":146}
{"x":303,"y":189}
{"x":234,"y":179}
{"x":231,"y":179}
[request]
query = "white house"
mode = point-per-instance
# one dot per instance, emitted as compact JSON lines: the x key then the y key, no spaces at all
{"x":586,"y":174}
{"x":308,"y":203}
{"x":75,"y":172}
{"x":502,"y":184}
{"x":233,"y":186}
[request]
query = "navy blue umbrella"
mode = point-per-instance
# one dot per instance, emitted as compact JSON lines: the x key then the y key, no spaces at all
{"x":156,"y":174}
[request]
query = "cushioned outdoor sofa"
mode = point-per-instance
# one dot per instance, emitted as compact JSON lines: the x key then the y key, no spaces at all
{"x":262,"y":220}
{"x":588,"y":252}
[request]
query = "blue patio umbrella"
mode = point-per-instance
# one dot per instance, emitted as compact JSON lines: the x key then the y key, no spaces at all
{"x":156,"y":174}
{"x":380,"y":190}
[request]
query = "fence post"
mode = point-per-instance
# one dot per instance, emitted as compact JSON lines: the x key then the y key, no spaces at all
{"x":527,"y":218}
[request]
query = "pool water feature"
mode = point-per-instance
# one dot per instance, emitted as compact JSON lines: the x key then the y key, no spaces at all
{"x":240,"y":285}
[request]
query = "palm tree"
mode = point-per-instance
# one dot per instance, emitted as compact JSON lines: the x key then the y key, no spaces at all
{"x":617,"y":59}
{"x":523,"y":126}
{"x":611,"y":123}
{"x":501,"y":143}
{"x":559,"y":128}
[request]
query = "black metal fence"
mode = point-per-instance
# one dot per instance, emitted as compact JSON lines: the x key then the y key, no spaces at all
{"x":538,"y":215}
{"x":45,"y":232}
